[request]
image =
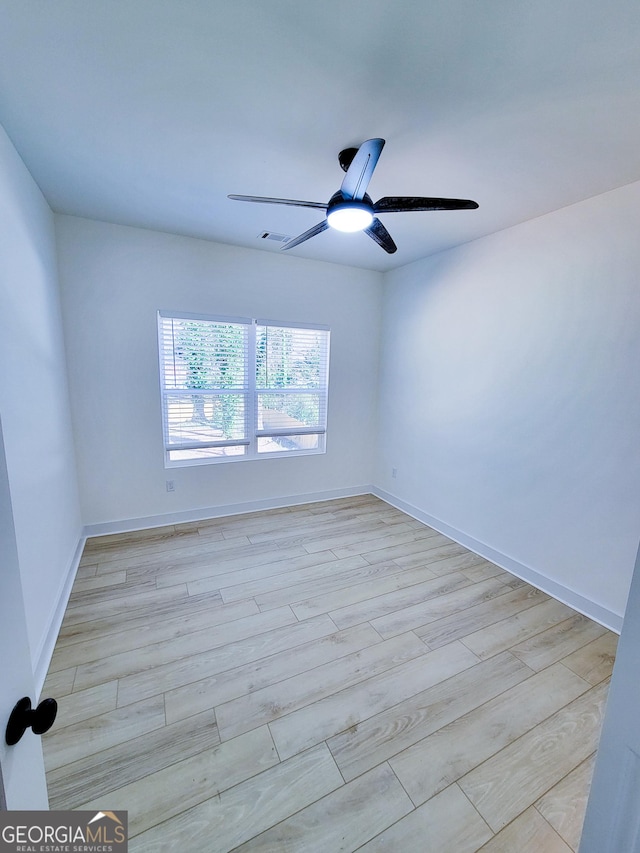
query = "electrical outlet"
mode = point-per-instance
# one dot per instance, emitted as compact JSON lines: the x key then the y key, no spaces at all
{"x":171,"y":485}
{"x":394,"y":473}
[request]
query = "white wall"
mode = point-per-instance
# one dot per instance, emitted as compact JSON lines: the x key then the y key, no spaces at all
{"x":509,"y":397}
{"x":114,"y":279}
{"x":34,"y":401}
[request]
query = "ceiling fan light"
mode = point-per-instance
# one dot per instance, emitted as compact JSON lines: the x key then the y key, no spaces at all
{"x":350,"y":217}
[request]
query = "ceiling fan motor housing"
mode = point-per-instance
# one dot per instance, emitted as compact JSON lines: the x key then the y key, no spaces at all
{"x":349,"y":214}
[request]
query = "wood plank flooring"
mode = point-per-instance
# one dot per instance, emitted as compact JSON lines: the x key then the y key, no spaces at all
{"x":329,"y":677}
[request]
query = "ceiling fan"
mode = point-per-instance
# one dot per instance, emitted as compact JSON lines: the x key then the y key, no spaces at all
{"x":351,"y":209}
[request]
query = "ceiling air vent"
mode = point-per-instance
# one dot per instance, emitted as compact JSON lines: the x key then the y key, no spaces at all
{"x":269,"y":235}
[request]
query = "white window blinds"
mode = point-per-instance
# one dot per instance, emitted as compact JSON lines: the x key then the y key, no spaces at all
{"x":238,"y":388}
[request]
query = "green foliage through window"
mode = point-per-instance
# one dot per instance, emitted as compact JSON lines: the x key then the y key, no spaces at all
{"x":239,"y":388}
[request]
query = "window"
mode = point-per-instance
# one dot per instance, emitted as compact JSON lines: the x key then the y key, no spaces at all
{"x":234,"y":388}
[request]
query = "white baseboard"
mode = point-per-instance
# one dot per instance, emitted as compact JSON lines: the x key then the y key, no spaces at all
{"x":203,"y":513}
{"x":44,"y":653}
{"x":567,"y":596}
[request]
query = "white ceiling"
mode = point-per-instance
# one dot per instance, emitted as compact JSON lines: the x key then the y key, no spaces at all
{"x":149,"y":112}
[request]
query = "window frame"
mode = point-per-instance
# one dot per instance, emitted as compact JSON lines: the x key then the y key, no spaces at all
{"x":250,"y":392}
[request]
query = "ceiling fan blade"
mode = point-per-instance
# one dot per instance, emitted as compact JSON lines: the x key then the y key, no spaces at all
{"x":398,"y":204}
{"x":379,"y":233}
{"x":317,"y":229}
{"x":291,"y":201}
{"x":355,"y":182}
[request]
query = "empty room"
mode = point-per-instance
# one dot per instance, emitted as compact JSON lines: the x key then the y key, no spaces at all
{"x":319,"y":417}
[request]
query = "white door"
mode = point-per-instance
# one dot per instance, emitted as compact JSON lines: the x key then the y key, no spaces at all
{"x":21,"y":766}
{"x":612,"y":822}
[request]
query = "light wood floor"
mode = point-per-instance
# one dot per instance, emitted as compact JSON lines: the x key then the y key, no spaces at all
{"x":329,"y":677}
